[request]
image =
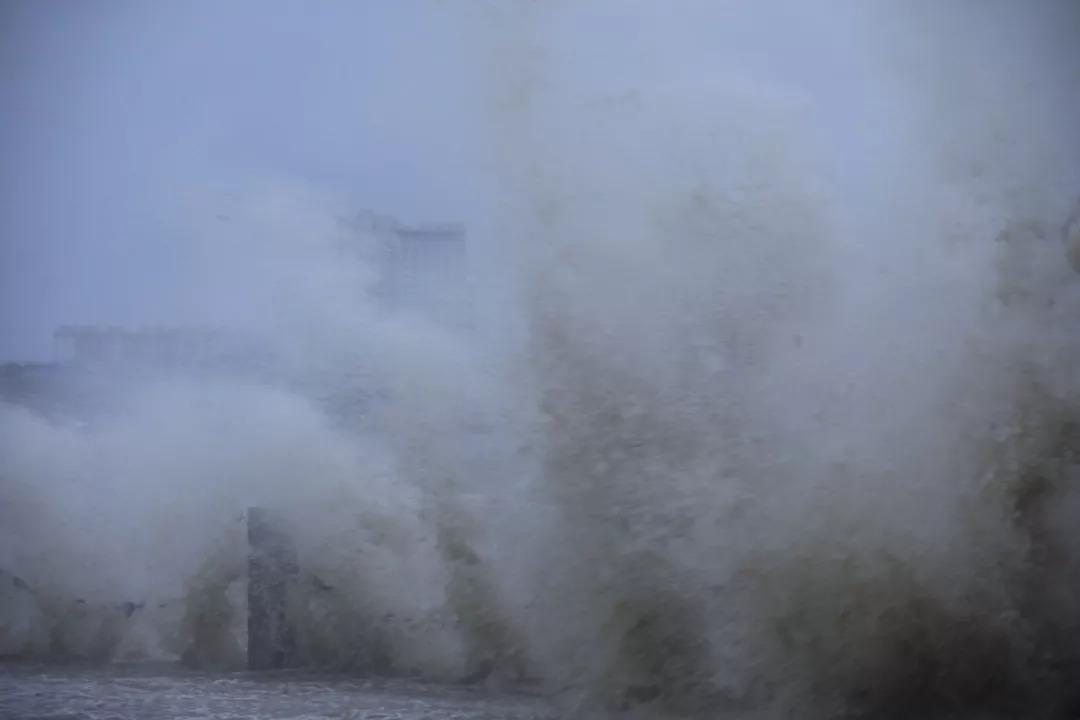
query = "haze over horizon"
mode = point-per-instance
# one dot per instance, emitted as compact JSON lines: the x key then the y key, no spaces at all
{"x":116,"y":114}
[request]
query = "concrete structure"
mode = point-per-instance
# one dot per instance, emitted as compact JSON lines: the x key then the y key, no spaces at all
{"x":272,"y":569}
{"x":1070,"y":234}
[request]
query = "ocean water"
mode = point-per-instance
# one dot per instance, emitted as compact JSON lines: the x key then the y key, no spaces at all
{"x":34,"y":692}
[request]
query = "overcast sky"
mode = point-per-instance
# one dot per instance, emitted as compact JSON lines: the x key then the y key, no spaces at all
{"x":112,"y":111}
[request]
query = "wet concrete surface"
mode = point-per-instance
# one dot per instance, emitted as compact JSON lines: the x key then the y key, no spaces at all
{"x":51,"y":692}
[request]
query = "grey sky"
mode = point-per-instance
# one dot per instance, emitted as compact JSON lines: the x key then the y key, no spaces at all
{"x":113,"y":109}
{"x":111,"y":112}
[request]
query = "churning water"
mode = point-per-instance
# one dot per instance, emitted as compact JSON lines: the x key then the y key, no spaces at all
{"x":148,"y":692}
{"x":771,"y":408}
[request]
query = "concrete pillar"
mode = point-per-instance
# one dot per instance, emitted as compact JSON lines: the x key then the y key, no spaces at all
{"x":1071,"y":236}
{"x":271,"y":570}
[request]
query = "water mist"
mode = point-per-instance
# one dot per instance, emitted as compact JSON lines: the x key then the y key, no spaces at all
{"x":772,"y":410}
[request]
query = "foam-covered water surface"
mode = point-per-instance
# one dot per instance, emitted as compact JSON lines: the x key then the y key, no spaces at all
{"x":158,"y":692}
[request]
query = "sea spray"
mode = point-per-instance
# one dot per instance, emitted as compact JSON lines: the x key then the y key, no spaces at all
{"x":779,"y":416}
{"x":787,"y":423}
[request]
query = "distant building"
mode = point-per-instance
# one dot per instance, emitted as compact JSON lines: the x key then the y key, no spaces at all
{"x":422,"y":269}
{"x":419,"y":270}
{"x":158,"y":348}
{"x":94,"y":366}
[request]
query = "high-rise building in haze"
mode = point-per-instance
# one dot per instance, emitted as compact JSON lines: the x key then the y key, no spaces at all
{"x":421,"y":269}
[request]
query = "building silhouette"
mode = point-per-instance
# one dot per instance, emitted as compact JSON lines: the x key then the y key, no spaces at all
{"x":420,"y":271}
